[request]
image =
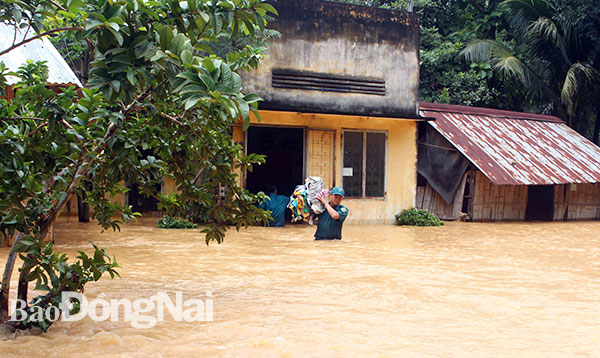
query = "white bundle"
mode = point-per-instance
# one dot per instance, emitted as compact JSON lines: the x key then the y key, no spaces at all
{"x":314,"y":188}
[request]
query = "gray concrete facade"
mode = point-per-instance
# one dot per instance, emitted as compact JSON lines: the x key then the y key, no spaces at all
{"x":340,"y":59}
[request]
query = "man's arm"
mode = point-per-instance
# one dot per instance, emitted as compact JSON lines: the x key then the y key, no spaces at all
{"x":334,"y":214}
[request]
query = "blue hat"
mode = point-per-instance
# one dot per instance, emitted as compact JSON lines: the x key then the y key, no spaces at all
{"x":337,"y":191}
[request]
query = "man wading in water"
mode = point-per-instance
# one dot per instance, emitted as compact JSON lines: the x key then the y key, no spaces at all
{"x":330,"y":222}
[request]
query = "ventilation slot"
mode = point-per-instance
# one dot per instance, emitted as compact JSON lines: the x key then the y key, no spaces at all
{"x":326,"y":82}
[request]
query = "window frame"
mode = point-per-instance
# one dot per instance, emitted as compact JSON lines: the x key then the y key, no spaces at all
{"x":364,"y":162}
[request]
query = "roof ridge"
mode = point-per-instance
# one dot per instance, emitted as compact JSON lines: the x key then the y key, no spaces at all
{"x":490,"y":112}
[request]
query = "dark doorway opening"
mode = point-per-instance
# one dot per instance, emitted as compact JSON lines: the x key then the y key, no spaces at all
{"x":140,"y":202}
{"x":540,"y":203}
{"x":284,"y":148}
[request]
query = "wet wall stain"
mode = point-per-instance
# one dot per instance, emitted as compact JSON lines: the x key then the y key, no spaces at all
{"x":314,"y":20}
{"x":338,"y":40}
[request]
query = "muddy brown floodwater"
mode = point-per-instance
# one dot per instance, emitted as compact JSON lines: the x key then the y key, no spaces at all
{"x":465,"y":289}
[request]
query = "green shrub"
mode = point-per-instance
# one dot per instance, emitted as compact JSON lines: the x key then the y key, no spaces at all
{"x":417,"y":217}
{"x":168,"y":222}
{"x":174,"y":205}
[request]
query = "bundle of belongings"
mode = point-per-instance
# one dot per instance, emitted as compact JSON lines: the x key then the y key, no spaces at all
{"x":304,"y":203}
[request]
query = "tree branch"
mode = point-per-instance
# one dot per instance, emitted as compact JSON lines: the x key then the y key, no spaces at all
{"x":8,"y":270}
{"x":18,"y":118}
{"x":87,"y":162}
{"x":66,"y":124}
{"x":38,"y":128}
{"x":57,"y":5}
{"x":172,"y":119}
{"x":49,"y":32}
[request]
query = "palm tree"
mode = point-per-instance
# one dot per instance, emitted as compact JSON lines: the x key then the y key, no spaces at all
{"x":553,"y":56}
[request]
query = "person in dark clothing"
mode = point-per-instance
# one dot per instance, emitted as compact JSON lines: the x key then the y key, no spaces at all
{"x":330,"y":222}
{"x":276,"y":205}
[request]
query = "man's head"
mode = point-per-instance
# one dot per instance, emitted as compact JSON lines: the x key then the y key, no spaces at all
{"x":272,"y":189}
{"x":337,"y":194}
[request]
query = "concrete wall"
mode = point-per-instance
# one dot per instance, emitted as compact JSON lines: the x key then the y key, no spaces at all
{"x":347,"y":42}
{"x":401,"y":159}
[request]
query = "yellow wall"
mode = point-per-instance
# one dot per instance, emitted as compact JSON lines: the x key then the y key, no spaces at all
{"x":169,"y":186}
{"x":401,"y":162}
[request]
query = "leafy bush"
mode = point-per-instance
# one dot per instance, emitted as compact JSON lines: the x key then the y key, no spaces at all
{"x":168,"y":222}
{"x":417,"y":217}
{"x":175,"y":205}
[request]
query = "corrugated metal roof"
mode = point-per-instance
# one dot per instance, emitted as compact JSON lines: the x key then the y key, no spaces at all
{"x":59,"y":73}
{"x":513,"y":148}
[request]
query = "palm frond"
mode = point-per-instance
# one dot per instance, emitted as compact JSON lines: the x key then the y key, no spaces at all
{"x":478,"y":51}
{"x":532,"y":9}
{"x":523,"y":12}
{"x":569,"y":89}
{"x":594,"y":54}
{"x":510,"y":66}
{"x":577,"y":77}
{"x":547,"y":31}
{"x":506,"y":64}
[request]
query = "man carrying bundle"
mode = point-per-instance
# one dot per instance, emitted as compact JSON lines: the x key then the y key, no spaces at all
{"x":330,"y":222}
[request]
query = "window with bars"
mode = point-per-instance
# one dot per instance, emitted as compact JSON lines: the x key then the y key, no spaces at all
{"x":364,"y":163}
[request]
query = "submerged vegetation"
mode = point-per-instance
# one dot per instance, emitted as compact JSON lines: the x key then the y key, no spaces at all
{"x":417,"y":217}
{"x":169,"y":222}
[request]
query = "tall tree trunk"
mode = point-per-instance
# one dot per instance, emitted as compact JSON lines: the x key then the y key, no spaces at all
{"x":5,"y":288}
{"x":597,"y":125}
{"x":574,"y":123}
{"x":23,"y":285}
{"x":83,"y":209}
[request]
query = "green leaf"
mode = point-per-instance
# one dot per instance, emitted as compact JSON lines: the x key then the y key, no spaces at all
{"x":159,"y":55}
{"x":227,"y":75}
{"x":115,"y":32}
{"x":165,"y":37}
{"x":186,"y":56}
{"x":208,"y":81}
{"x":252,"y":98}
{"x":245,"y":109}
{"x":237,"y":82}
{"x":116,"y":20}
{"x":191,"y":102}
{"x":131,"y":76}
{"x":267,"y":7}
{"x":114,"y":11}
{"x":177,"y":44}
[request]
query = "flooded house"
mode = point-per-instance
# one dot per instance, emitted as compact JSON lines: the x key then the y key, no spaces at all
{"x":340,"y":89}
{"x":494,"y":165}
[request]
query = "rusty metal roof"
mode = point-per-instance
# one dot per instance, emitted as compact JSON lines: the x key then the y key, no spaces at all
{"x":59,"y":73}
{"x":513,"y":148}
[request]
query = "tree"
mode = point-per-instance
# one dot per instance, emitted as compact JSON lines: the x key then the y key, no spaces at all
{"x":446,"y":26}
{"x":160,"y":103}
{"x":554,"y":56}
{"x":445,"y":79}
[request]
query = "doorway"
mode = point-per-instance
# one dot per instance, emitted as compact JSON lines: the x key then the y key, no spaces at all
{"x":284,"y":166}
{"x":540,"y":203}
{"x":140,"y":202}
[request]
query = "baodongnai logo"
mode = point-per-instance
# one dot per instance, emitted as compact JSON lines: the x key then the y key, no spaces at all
{"x":141,"y":313}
